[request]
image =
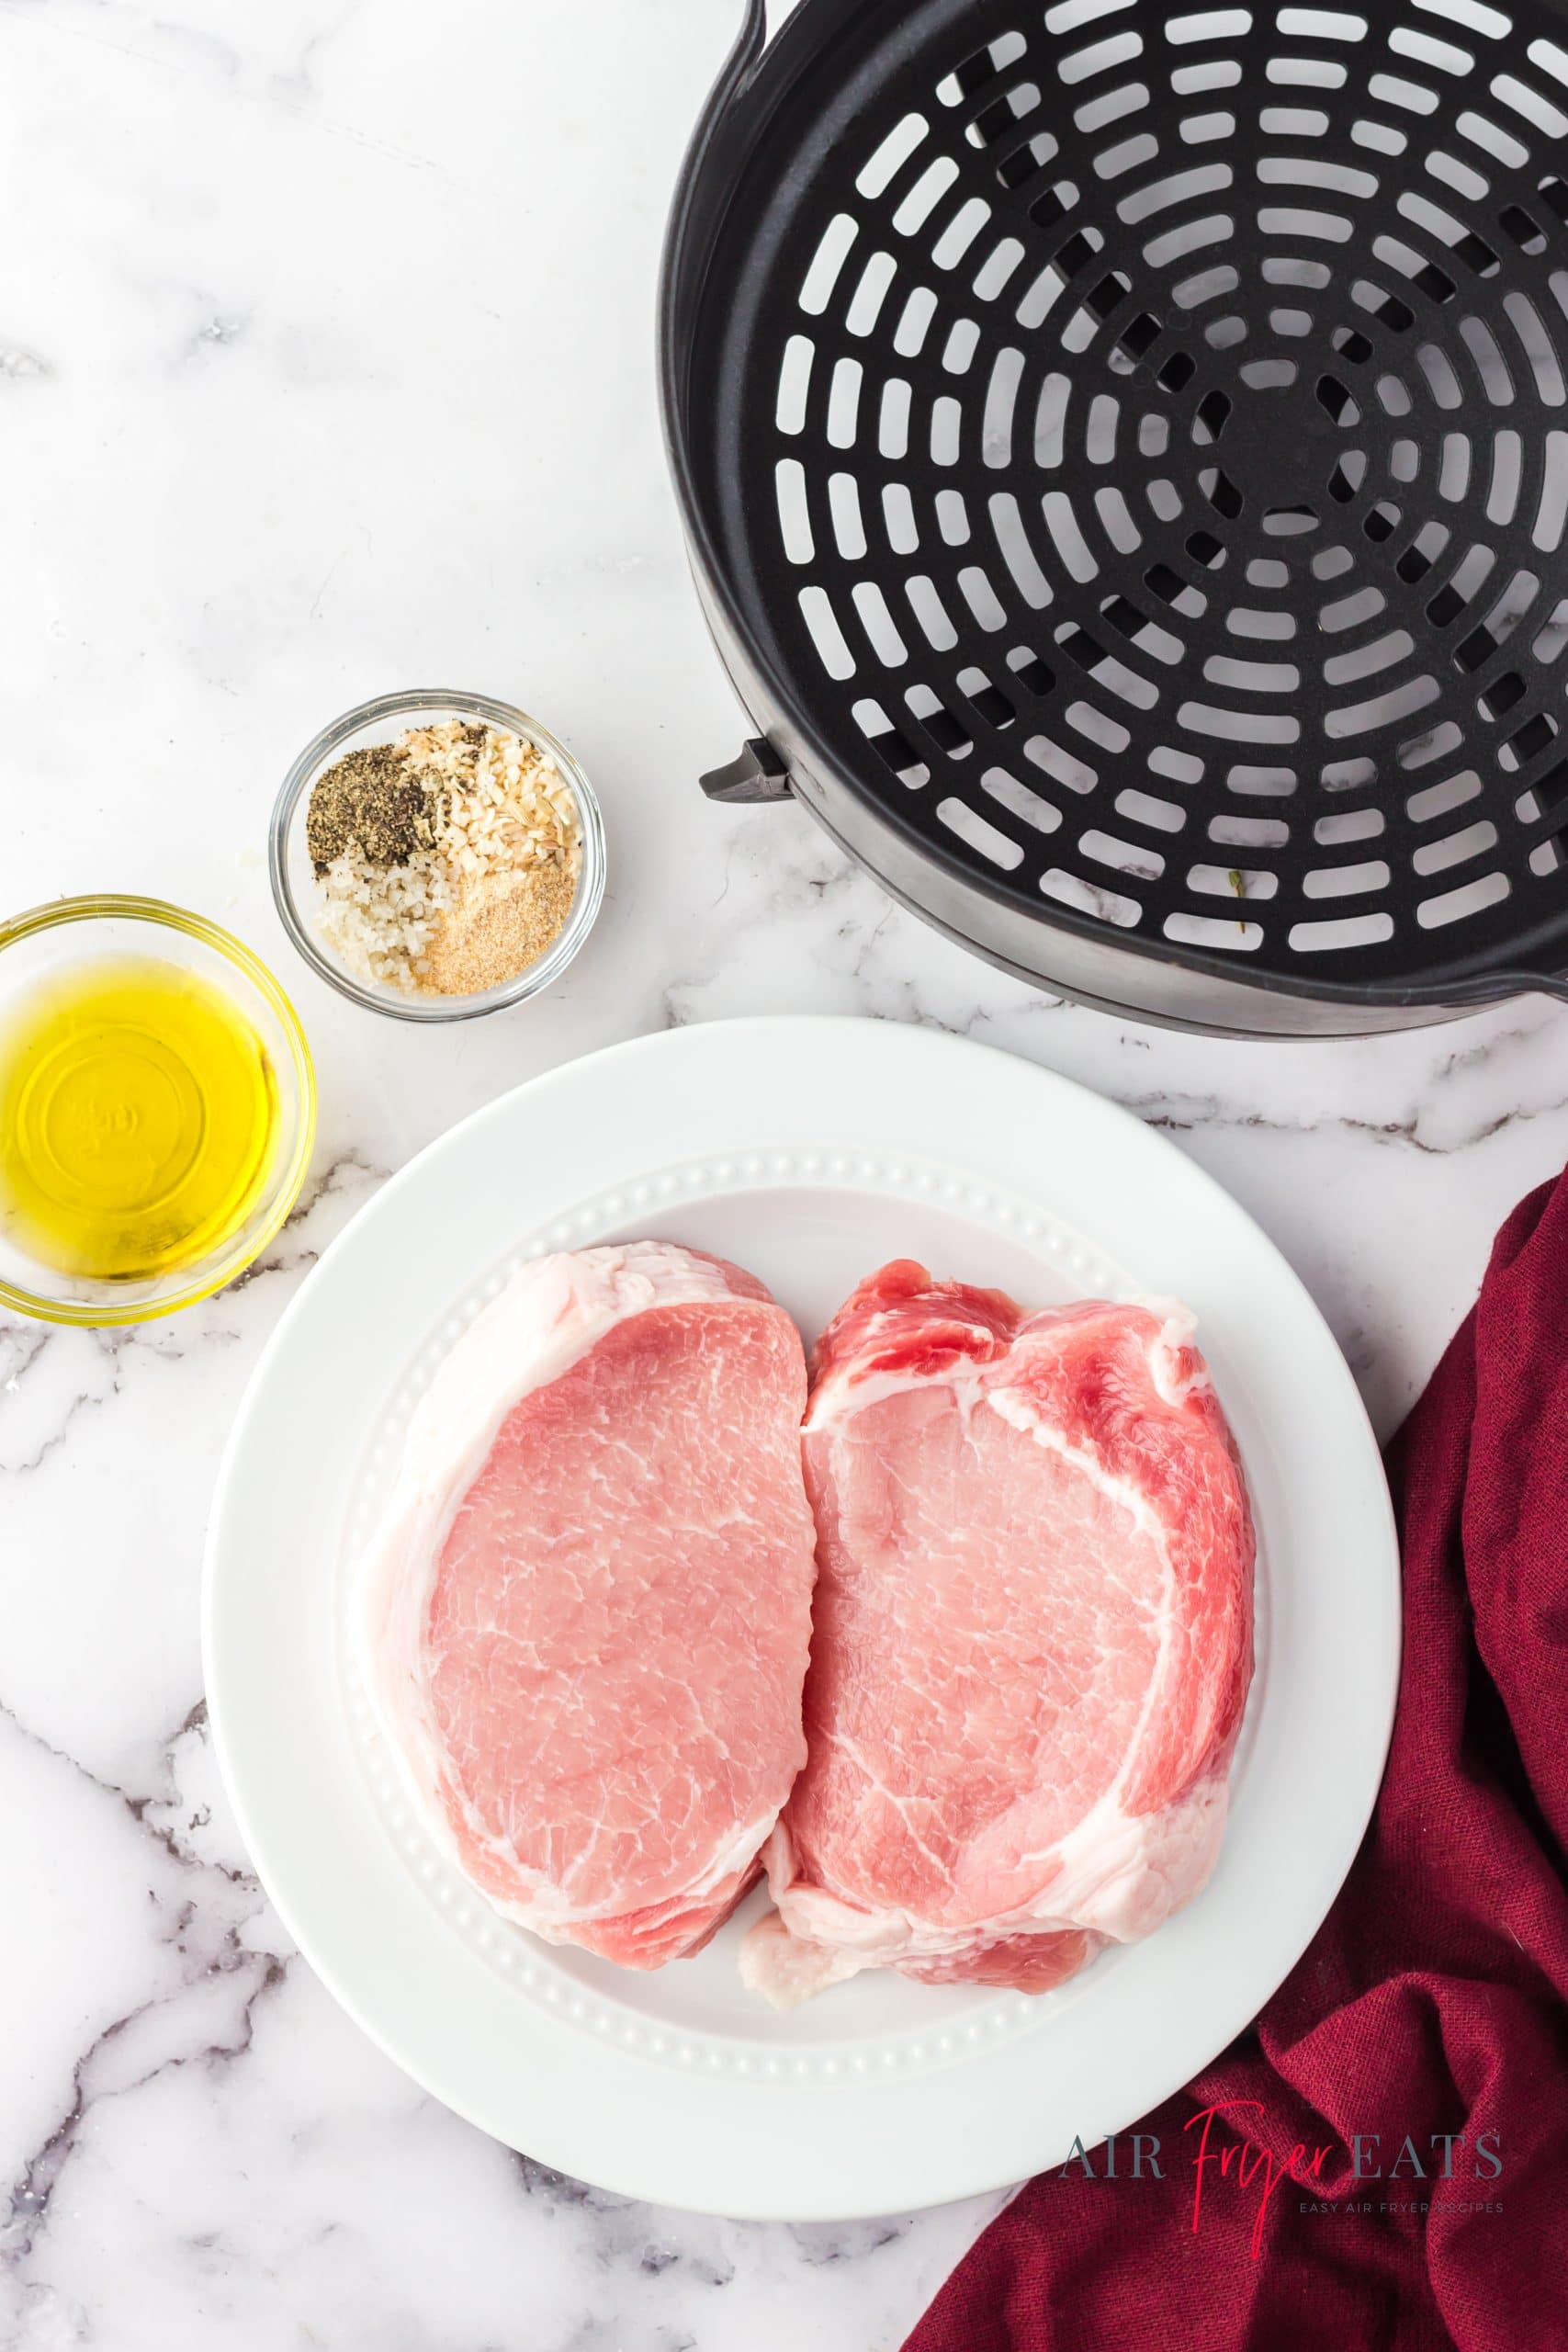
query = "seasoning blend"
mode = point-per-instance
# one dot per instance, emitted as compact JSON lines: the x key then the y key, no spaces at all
{"x":446,"y":861}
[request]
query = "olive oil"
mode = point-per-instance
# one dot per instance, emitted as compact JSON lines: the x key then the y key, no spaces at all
{"x":138,"y":1117}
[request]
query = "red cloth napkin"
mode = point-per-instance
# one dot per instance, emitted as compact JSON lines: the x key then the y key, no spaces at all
{"x":1435,"y":1999}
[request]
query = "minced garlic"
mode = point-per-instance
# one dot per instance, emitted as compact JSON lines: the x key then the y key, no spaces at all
{"x":380,"y":918}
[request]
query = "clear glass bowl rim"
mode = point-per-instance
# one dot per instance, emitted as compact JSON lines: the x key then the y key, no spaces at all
{"x":245,"y":1247}
{"x":537,"y":977}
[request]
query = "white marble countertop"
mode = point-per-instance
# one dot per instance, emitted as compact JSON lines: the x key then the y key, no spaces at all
{"x":326,"y":366}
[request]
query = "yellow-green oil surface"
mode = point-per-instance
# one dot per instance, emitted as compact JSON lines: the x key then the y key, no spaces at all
{"x":138,"y":1116}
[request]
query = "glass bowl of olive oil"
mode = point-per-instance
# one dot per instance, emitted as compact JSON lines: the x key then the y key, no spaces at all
{"x":157,"y":1110}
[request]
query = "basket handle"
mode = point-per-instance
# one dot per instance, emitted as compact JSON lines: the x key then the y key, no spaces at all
{"x":757,"y":773}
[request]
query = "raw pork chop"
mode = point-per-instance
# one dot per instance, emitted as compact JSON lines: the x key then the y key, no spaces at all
{"x":1032,"y":1640}
{"x":588,"y":1606}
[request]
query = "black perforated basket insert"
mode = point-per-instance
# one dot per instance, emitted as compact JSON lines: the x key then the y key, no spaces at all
{"x":1147,"y":462}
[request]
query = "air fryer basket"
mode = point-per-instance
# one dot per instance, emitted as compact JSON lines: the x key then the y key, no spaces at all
{"x":1124,"y":454}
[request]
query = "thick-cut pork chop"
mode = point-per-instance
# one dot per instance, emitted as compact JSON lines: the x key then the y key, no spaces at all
{"x":1032,"y":1640}
{"x":588,"y":1608}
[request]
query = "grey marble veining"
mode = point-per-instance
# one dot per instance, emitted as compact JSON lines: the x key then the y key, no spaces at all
{"x":325,"y":367}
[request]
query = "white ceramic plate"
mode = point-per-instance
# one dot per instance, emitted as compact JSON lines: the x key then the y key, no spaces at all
{"x":809,"y":1150}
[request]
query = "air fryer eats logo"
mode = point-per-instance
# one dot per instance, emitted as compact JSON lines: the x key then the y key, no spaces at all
{"x":1450,"y":2172}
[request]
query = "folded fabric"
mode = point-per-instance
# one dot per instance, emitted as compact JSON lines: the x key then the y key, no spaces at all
{"x":1395,"y":2128}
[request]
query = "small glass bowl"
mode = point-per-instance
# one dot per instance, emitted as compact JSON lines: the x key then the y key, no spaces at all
{"x":293,"y":877}
{"x":47,"y":940}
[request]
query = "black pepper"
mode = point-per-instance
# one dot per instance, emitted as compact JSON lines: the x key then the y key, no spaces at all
{"x":372,"y":800}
